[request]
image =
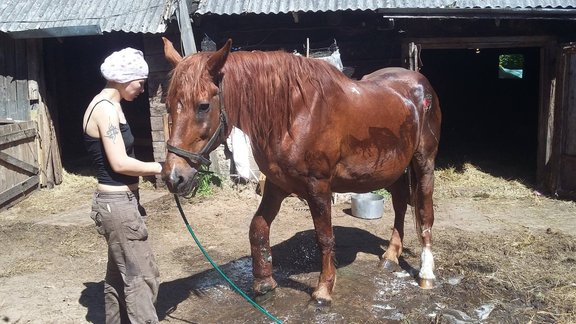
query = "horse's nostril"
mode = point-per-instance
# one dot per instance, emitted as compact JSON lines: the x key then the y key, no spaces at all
{"x":176,"y":178}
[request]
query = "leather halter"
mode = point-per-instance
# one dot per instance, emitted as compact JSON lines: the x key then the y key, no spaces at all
{"x":221,"y":131}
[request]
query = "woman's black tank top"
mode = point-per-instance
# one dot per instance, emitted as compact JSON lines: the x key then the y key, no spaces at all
{"x":95,"y":148}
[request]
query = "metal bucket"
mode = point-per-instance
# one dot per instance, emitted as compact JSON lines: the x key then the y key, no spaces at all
{"x":367,"y":205}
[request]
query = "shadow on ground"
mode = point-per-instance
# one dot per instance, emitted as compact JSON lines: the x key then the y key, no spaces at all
{"x":295,"y":256}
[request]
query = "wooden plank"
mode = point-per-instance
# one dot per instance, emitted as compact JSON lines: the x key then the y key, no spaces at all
{"x":568,"y":174}
{"x":22,"y":165}
{"x":56,"y":160}
{"x":10,"y":99}
{"x":44,"y":147}
{"x":3,"y":76}
{"x":570,"y":106}
{"x":48,"y":167}
{"x":481,"y":42}
{"x":20,"y":189}
{"x":17,"y":136}
{"x":167,"y":125}
{"x":21,"y":76}
{"x":33,"y":69}
{"x":186,"y":33}
{"x":9,"y":121}
{"x":49,"y":151}
{"x":23,"y":149}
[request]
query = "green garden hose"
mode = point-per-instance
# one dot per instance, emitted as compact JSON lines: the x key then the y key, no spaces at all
{"x":238,"y":290}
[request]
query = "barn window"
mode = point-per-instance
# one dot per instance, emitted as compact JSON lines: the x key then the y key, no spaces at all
{"x":510,"y":66}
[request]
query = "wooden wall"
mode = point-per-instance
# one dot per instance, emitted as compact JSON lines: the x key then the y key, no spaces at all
{"x":19,"y":174}
{"x":14,"y":103}
{"x":22,"y":104}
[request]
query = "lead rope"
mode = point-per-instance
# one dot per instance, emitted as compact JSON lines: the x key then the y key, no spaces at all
{"x":238,"y":290}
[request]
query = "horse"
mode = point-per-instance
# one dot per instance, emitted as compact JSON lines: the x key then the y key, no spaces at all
{"x":313,"y":132}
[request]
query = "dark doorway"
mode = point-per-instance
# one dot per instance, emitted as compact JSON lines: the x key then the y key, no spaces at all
{"x":73,"y":74}
{"x":490,"y":114}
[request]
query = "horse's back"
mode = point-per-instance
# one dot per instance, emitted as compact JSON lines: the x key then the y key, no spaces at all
{"x":396,"y":74}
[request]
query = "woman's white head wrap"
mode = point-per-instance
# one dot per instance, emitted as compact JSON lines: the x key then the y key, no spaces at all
{"x":124,"y":66}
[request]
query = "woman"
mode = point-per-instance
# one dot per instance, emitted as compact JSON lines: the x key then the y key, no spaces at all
{"x":132,"y":278}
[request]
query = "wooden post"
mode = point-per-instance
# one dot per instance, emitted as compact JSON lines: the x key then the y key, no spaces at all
{"x":187,"y":36}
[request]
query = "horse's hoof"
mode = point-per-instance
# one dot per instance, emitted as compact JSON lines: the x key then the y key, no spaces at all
{"x":321,"y":298}
{"x":321,"y":302}
{"x":261,"y":299}
{"x":389,"y":265}
{"x":426,"y":283}
{"x":263,"y":286}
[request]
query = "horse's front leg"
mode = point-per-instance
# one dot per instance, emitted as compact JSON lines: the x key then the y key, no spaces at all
{"x":260,"y":238}
{"x":320,"y":208}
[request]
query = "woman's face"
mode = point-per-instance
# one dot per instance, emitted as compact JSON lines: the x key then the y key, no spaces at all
{"x":132,"y":89}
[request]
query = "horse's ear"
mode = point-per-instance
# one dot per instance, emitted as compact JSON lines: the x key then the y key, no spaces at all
{"x":217,"y":60}
{"x":170,"y":52}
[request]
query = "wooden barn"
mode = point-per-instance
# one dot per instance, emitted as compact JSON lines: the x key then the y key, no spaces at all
{"x":50,"y":54}
{"x":504,"y":70}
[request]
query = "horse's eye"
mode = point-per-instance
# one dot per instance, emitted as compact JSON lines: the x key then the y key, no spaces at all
{"x":203,"y":107}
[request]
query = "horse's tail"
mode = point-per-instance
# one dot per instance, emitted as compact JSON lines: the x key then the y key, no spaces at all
{"x":421,"y":172}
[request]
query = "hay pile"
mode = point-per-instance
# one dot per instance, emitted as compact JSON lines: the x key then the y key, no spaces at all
{"x":472,"y":182}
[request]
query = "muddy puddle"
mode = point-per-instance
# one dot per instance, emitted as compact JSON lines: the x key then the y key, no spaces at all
{"x":364,"y":293}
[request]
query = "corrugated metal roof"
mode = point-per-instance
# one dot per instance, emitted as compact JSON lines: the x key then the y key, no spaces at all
{"x":137,"y":16}
{"x":231,"y":7}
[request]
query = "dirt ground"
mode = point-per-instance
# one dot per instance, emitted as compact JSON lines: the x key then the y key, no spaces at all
{"x":501,"y":257}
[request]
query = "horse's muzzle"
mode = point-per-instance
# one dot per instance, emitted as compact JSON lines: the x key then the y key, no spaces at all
{"x":181,"y":181}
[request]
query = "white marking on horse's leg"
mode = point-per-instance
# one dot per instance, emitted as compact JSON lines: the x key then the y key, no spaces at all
{"x":427,"y":266}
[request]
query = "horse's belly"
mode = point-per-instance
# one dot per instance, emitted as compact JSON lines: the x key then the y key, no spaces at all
{"x":360,"y":185}
{"x":367,"y":175}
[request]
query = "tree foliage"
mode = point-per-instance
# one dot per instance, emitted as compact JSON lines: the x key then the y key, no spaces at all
{"x":512,"y":61}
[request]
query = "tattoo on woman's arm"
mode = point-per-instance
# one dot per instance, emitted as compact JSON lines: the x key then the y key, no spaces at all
{"x":112,"y":132}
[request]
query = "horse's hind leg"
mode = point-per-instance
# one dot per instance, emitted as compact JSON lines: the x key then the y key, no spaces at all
{"x":424,"y":210}
{"x":400,"y":196}
{"x":260,"y":238}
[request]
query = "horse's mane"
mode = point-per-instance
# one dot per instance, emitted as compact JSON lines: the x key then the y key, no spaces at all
{"x":262,"y":89}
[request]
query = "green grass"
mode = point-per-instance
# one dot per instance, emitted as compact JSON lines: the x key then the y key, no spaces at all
{"x":207,"y":181}
{"x":382,"y":192}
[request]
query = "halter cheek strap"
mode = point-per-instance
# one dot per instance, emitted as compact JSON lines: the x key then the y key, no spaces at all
{"x":220,"y":132}
{"x":194,"y":157}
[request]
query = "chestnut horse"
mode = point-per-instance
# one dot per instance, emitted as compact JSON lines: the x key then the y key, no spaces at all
{"x":313,"y":132}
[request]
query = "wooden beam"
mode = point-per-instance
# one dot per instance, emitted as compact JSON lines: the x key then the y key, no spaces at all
{"x":19,"y":189}
{"x":480,"y":42}
{"x":186,"y":34}
{"x":29,"y":168}
{"x":16,"y":136}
